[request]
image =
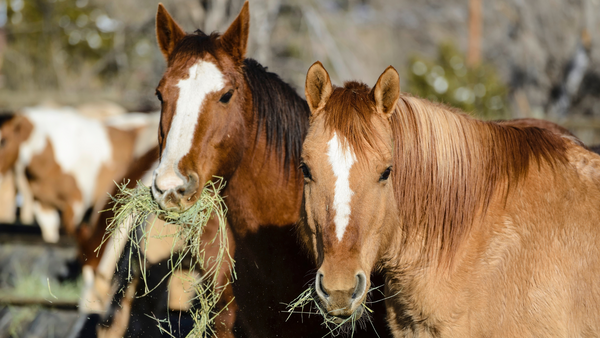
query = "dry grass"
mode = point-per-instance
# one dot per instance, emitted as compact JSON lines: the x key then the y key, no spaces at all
{"x":307,"y":303}
{"x":138,"y":206}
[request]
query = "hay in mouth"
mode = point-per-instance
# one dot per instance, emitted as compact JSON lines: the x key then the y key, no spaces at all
{"x":137,"y":206}
{"x":307,"y":303}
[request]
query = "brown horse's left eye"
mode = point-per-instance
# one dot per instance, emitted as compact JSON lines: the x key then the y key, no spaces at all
{"x":386,"y":174}
{"x":226,"y":97}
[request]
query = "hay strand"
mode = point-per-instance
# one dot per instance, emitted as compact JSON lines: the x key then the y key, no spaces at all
{"x":138,"y":207}
{"x":307,"y":303}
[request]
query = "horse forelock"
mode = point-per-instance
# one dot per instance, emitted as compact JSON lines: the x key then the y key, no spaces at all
{"x":449,"y":166}
{"x":194,"y":46}
{"x":349,"y":112}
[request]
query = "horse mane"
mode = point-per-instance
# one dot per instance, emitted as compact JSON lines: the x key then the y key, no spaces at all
{"x":447,"y":166}
{"x":282,"y":113}
{"x":461,"y":163}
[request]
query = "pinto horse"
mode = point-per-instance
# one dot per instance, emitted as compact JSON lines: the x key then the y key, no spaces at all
{"x":66,"y":162}
{"x":225,"y":115}
{"x":69,"y":162}
{"x":484,"y":229}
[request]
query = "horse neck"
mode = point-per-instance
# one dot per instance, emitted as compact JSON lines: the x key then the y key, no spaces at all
{"x":262,"y":191}
{"x":426,"y":291}
{"x":436,"y":246}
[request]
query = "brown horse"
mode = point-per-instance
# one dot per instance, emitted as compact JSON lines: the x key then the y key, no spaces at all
{"x":224,"y":115}
{"x":484,"y":229}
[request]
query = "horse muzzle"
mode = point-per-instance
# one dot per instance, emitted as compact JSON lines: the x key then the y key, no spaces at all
{"x":175,"y":194}
{"x":342,"y":303}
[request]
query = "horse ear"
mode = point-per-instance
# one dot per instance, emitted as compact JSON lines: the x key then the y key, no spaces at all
{"x":318,"y":87}
{"x":235,"y":38}
{"x":168,"y":32}
{"x":387,"y":91}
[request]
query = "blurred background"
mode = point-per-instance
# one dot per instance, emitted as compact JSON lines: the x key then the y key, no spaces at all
{"x":494,"y":59}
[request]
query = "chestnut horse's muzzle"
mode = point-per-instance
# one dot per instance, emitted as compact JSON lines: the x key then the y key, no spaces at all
{"x":175,"y":194}
{"x":341,"y":302}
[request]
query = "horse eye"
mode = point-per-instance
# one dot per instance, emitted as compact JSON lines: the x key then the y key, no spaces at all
{"x":159,"y":96}
{"x":386,"y":174}
{"x":2,"y":142}
{"x":226,"y":97}
{"x":305,"y":171}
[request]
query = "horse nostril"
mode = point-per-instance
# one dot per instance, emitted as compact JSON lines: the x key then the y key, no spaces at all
{"x":319,"y":285}
{"x":157,"y":189}
{"x":181,"y":191}
{"x":361,"y":285}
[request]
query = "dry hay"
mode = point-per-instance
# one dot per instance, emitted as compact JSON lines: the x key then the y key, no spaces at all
{"x":307,"y":303}
{"x":138,"y":206}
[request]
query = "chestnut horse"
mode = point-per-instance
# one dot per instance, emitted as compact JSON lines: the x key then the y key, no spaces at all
{"x":484,"y":229}
{"x":225,"y":115}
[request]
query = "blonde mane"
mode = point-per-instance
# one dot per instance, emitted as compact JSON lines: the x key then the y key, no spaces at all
{"x":448,"y":166}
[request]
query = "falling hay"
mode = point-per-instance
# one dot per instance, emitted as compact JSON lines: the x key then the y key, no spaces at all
{"x":139,"y":207}
{"x":307,"y":303}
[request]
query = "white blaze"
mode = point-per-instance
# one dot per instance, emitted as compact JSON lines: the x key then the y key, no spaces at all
{"x":341,"y":160}
{"x":204,"y":78}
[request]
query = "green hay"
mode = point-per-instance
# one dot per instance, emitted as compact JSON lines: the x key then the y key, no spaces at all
{"x":137,"y":205}
{"x":307,"y":303}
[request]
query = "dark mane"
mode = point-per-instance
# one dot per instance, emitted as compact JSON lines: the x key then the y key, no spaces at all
{"x":452,"y":165}
{"x":282,"y":113}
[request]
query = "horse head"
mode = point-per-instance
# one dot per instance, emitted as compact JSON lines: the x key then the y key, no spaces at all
{"x":203,"y":104}
{"x":348,"y":199}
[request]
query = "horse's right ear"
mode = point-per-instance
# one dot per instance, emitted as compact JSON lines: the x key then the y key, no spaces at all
{"x":318,"y":87}
{"x":387,"y":91}
{"x":168,"y":32}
